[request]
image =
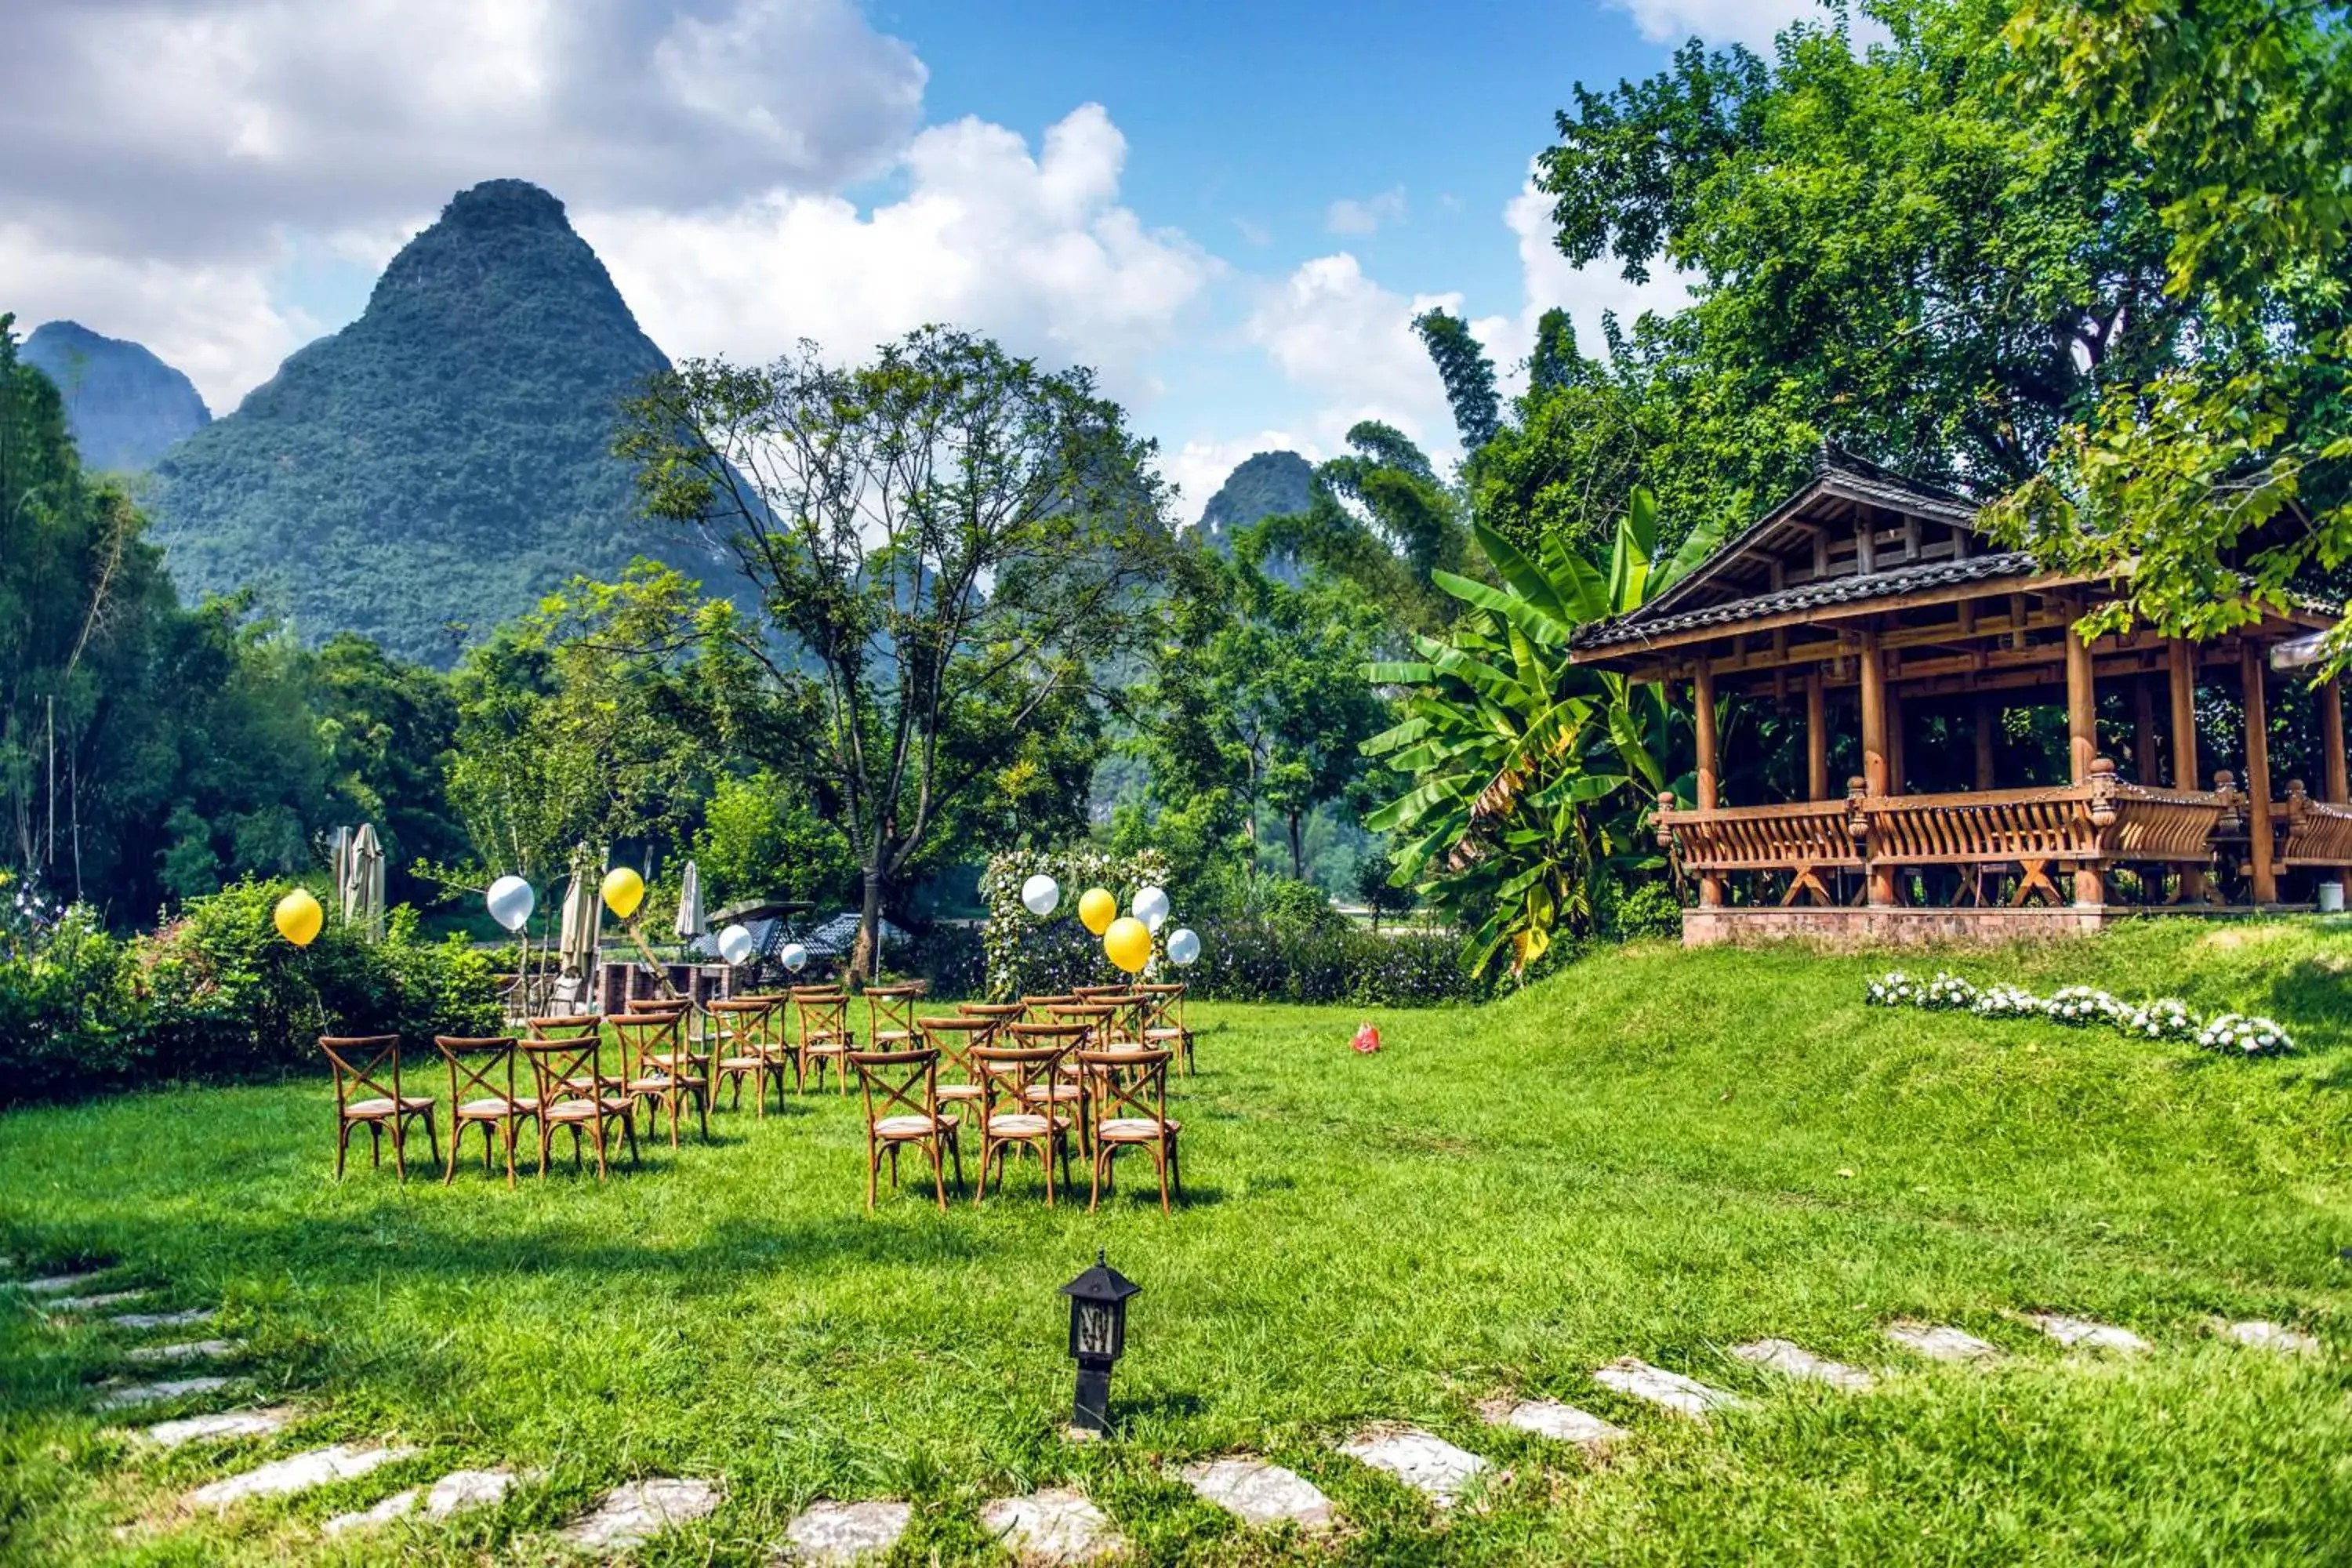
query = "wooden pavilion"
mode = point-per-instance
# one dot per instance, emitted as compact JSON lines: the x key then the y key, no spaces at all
{"x":1866,"y":605}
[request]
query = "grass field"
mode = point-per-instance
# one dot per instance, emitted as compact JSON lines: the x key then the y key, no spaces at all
{"x":1655,"y":1154}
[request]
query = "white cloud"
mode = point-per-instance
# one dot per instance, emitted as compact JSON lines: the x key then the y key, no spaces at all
{"x":1754,"y":22}
{"x":1550,"y":280}
{"x":1036,"y":250}
{"x":1348,"y":216}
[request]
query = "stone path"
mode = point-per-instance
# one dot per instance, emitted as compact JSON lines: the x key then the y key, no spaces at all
{"x":227,"y":1424}
{"x":188,"y":1318}
{"x":832,"y":1534}
{"x":58,"y":1284}
{"x":1794,"y":1361}
{"x":456,"y":1490}
{"x":92,"y":1303}
{"x":2084,"y":1334}
{"x":1260,"y":1493}
{"x":125,"y":1398}
{"x":1550,"y":1418}
{"x":1938,"y":1343}
{"x":1667,"y":1390}
{"x":2270,"y":1336}
{"x":1422,"y":1460}
{"x":338,"y":1462}
{"x":1051,"y":1527}
{"x":194,"y":1350}
{"x":634,"y":1514}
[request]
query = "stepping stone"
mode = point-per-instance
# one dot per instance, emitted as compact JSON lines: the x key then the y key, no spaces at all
{"x":2084,"y":1334}
{"x":1667,"y":1390}
{"x":831,"y":1534}
{"x":456,"y":1490}
{"x":155,"y":1393}
{"x":634,"y":1514}
{"x":1940,"y":1342}
{"x":1795,"y":1360}
{"x":1550,"y":1418}
{"x":188,"y":1318}
{"x":2271,"y":1336}
{"x":194,"y":1350}
{"x":91,"y":1303}
{"x":58,"y":1284}
{"x":1050,"y":1527}
{"x":339,"y":1462}
{"x":226,"y":1424}
{"x":1422,"y":1460}
{"x":1260,"y":1493}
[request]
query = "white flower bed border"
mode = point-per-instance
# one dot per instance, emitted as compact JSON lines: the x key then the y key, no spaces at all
{"x":2081,"y":1006}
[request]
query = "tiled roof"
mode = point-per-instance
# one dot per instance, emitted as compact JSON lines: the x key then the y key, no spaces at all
{"x":1631,"y":629}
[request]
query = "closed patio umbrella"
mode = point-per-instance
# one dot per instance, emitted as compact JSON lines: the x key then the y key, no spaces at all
{"x":362,"y":884}
{"x":583,"y":917}
{"x":690,"y":920}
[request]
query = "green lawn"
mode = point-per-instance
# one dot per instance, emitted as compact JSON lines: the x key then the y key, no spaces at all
{"x":1655,"y":1154}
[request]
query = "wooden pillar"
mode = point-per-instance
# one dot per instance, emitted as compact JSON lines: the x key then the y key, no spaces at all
{"x":1710,"y":883}
{"x":1875,"y":772}
{"x":2258,"y":773}
{"x":2180,"y":662}
{"x":1988,"y":736}
{"x":1817,"y":737}
{"x":2083,"y":747}
{"x":1897,"y":768}
{"x":2331,"y":742}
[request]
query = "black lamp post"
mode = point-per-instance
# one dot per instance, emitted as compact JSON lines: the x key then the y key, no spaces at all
{"x":1097,"y":1334}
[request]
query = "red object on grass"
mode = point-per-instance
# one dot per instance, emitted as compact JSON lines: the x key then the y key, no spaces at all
{"x":1368,"y":1040}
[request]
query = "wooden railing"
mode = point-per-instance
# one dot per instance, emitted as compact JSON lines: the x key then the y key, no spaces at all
{"x":2102,"y":821}
{"x":2318,"y":833}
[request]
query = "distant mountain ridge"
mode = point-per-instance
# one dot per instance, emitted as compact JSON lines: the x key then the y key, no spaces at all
{"x":442,"y":463}
{"x":1269,"y":484}
{"x":124,"y":406}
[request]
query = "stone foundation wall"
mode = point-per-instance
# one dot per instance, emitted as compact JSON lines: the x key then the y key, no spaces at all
{"x":1868,"y":927}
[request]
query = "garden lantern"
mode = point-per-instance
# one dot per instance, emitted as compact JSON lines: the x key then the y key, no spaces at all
{"x":1097,"y":1334}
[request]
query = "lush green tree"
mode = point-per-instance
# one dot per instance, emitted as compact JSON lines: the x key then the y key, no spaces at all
{"x":1468,"y":373}
{"x":387,"y":731}
{"x":1381,"y":519}
{"x":948,"y":541}
{"x":761,"y":837}
{"x":1529,"y":776}
{"x":2235,"y":451}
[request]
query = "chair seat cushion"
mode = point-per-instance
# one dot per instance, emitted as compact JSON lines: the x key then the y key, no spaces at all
{"x":493,"y":1108}
{"x":1136,"y":1129}
{"x":742,"y":1064}
{"x":384,"y":1107}
{"x":575,"y":1109}
{"x":1021,"y":1124}
{"x":1060,"y":1093}
{"x":1163,"y":1033}
{"x":961,"y":1090}
{"x":913,"y":1126}
{"x":880,"y":1035}
{"x":662,"y":1083}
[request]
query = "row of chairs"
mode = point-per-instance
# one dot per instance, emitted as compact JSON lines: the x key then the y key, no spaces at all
{"x":670,"y":1058}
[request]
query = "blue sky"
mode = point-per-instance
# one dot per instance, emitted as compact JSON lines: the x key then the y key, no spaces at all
{"x":1231,"y":210}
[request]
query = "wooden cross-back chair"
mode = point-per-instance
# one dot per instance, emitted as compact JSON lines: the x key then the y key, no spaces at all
{"x":1039,"y":1009}
{"x":1127,"y":1104}
{"x":1163,"y":1020}
{"x":953,"y":1039}
{"x":1002,"y":1012}
{"x":657,"y":1067}
{"x":368,"y":1093}
{"x":1020,"y":1110}
{"x":1097,"y":993}
{"x":482,"y":1094}
{"x":1100,"y":1020}
{"x":822,"y":1014}
{"x":891,"y":1013}
{"x":751,"y":1043}
{"x":558,"y":1069}
{"x":902,"y":1106}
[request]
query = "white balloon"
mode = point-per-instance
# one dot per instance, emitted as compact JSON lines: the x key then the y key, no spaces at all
{"x":793,"y":956}
{"x":735,"y":945}
{"x":1041,"y":895}
{"x":1183,"y":946}
{"x":510,"y":902}
{"x":1150,"y":907}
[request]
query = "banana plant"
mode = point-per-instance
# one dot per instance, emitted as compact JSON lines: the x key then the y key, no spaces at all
{"x":1530,"y":776}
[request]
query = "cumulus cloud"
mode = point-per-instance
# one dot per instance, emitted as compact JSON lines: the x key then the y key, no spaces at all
{"x":1348,"y":216}
{"x":1755,"y":23}
{"x":181,"y":128}
{"x":1036,"y":250}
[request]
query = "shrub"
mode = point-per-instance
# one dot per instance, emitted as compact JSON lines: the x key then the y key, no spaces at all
{"x":68,"y":1010}
{"x":1642,"y":911}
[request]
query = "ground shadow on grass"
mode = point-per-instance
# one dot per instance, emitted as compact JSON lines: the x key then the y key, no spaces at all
{"x":2314,"y":1000}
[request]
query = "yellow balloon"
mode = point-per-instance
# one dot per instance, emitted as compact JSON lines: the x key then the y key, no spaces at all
{"x":1097,"y":909}
{"x":298,"y":918}
{"x":1127,"y":944}
{"x":624,"y":892}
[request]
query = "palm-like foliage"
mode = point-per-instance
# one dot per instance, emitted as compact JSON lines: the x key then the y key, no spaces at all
{"x":1530,"y":775}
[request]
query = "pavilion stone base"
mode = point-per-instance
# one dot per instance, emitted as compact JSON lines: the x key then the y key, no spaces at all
{"x":1868,"y":927}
